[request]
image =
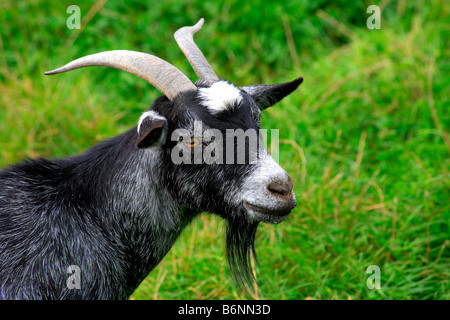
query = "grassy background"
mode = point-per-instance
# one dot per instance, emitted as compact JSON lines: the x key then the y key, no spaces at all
{"x":365,"y":139}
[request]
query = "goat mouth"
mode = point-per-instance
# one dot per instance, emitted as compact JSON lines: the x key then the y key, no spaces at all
{"x":280,"y":213}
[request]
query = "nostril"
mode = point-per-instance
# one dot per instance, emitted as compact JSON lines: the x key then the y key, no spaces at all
{"x":280,"y":187}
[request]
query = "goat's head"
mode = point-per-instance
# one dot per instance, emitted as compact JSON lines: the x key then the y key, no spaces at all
{"x":195,"y":131}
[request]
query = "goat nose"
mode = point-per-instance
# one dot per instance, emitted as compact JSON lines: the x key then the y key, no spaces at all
{"x":281,"y":187}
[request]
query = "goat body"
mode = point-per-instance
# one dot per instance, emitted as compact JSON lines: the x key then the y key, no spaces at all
{"x":85,"y":211}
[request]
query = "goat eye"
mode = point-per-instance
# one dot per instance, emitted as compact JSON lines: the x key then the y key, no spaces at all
{"x":192,"y":143}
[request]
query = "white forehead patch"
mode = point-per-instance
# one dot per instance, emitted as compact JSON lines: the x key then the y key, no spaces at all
{"x":220,"y":96}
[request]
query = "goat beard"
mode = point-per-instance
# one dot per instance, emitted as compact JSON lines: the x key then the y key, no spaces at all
{"x":240,"y":252}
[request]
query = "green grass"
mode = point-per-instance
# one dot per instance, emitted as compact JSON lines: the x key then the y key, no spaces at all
{"x":365,"y":138}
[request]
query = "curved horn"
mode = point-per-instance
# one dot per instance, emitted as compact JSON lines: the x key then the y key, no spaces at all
{"x":165,"y":77}
{"x":185,"y":40}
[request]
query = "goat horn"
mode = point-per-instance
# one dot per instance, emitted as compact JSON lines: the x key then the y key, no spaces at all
{"x":185,"y":39}
{"x":165,"y":77}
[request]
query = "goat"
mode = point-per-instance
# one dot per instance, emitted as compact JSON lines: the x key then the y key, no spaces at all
{"x":115,"y":211}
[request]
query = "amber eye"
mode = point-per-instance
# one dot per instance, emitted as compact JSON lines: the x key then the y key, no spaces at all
{"x":192,"y":143}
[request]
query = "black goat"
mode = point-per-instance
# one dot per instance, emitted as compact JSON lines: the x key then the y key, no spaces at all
{"x":112,"y":213}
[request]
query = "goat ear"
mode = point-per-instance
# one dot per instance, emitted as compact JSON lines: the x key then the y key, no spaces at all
{"x":152,"y":130}
{"x":266,"y":95}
